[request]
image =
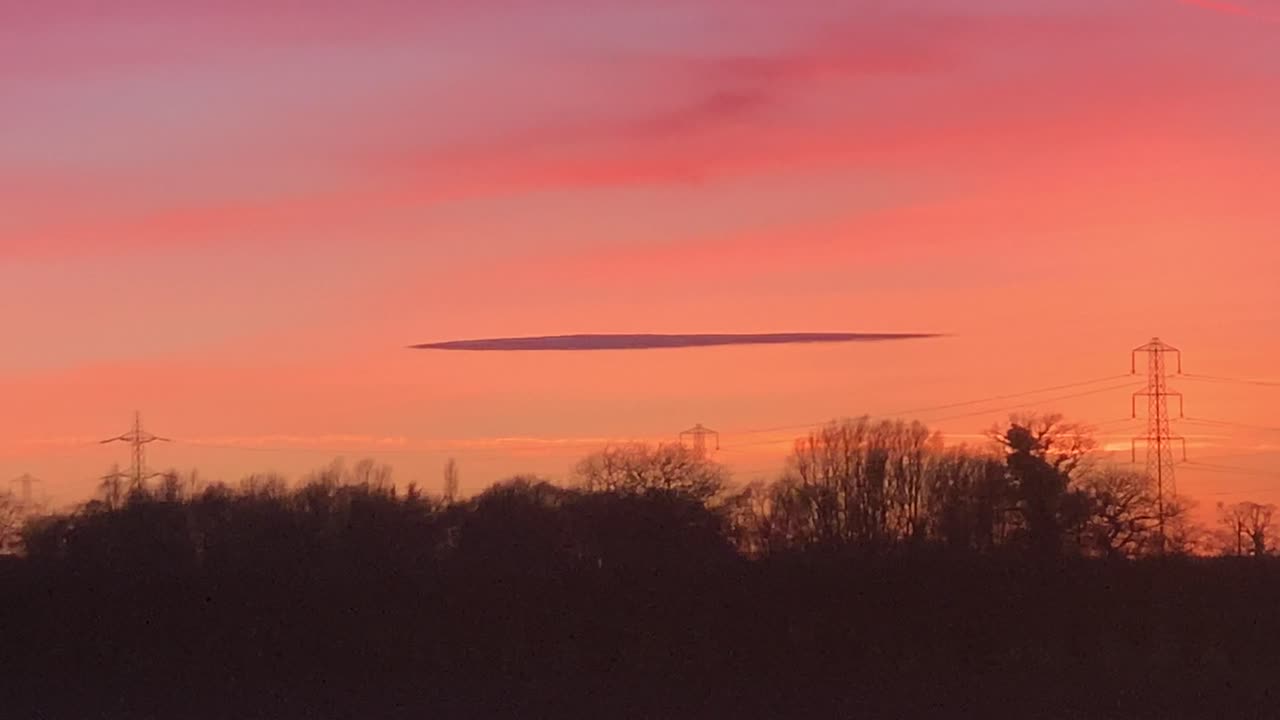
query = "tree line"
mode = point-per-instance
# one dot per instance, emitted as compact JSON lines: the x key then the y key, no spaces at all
{"x":882,"y":573}
{"x":875,"y":486}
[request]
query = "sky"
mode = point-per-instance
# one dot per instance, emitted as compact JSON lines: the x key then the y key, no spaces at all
{"x":235,"y":216}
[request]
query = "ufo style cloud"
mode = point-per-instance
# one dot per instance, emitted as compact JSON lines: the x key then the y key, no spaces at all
{"x":656,"y":342}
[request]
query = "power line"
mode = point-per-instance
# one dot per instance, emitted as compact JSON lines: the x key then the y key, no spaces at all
{"x":1232,"y":456}
{"x":1231,"y":470}
{"x":1274,"y":488}
{"x":1116,"y":421}
{"x":138,"y":438}
{"x":1011,"y":396}
{"x":1215,"y":467}
{"x":948,"y":406}
{"x":1034,"y":403}
{"x":1252,"y":491}
{"x":985,"y":411}
{"x":544,"y":446}
{"x":977,"y":413}
{"x":1224,"y":379}
{"x":1227,"y":423}
{"x":61,"y":451}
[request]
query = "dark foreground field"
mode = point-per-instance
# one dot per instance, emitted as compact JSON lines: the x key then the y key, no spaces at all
{"x":511,"y":611}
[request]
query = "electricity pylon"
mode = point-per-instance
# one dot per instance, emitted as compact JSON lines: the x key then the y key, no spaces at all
{"x":1159,"y":439}
{"x":138,"y":439}
{"x":25,"y":482}
{"x":699,"y":434}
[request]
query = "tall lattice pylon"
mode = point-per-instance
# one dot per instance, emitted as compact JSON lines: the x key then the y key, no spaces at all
{"x":1159,"y":439}
{"x":25,"y":482}
{"x":699,"y":435}
{"x":138,"y":439}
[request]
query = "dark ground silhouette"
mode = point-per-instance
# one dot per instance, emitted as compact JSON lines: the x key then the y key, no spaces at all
{"x":640,"y":595}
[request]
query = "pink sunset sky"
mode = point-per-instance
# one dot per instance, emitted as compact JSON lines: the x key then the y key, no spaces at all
{"x":233,"y":216}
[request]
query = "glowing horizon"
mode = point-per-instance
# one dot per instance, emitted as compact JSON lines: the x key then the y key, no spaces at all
{"x":228,"y":215}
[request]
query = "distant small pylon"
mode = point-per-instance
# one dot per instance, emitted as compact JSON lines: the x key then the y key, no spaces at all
{"x":25,"y":482}
{"x":699,"y":435}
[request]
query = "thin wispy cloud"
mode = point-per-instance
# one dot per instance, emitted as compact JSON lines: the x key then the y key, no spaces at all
{"x":487,"y":447}
{"x":298,"y":441}
{"x":1230,"y":8}
{"x":658,"y":341}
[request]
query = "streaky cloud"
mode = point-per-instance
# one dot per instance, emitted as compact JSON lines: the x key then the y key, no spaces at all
{"x":1231,"y":8}
{"x":660,"y":341}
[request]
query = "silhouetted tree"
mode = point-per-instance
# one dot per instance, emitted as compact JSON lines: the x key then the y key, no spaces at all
{"x":775,"y":517}
{"x":911,"y":448}
{"x":1041,"y":453}
{"x":1123,"y":513}
{"x":111,"y":488}
{"x":12,"y":517}
{"x":331,"y":475}
{"x":970,"y":499}
{"x":1249,"y":527}
{"x":1183,"y":534}
{"x":170,"y":488}
{"x":746,"y":516}
{"x":652,"y":532}
{"x":516,"y":527}
{"x":857,"y":482}
{"x":264,"y":485}
{"x":638,"y":468}
{"x":371,"y":474}
{"x":450,"y":481}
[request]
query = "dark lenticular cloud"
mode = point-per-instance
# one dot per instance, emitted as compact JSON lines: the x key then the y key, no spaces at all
{"x":654,"y":342}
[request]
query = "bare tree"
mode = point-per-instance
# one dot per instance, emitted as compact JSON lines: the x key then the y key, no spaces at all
{"x":1248,"y":526}
{"x":1065,"y":446}
{"x":264,"y":485}
{"x":859,"y":481}
{"x":638,"y":468}
{"x":12,"y":518}
{"x":330,"y":476}
{"x":1183,"y":535}
{"x":911,"y":448}
{"x":1123,"y":512}
{"x":112,"y":488}
{"x":969,"y":504}
{"x":840,"y":480}
{"x":170,"y":489}
{"x":370,"y":474}
{"x":450,"y":481}
{"x":771,"y":517}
